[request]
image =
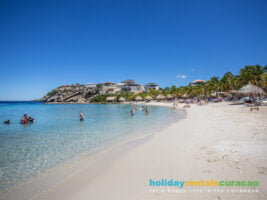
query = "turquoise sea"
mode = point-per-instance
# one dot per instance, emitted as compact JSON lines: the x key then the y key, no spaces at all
{"x":57,"y":135}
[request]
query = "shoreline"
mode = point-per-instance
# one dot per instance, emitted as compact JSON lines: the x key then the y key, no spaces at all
{"x":64,"y":171}
{"x":215,"y":141}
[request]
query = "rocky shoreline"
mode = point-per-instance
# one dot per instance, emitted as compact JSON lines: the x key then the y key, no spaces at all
{"x":68,"y":94}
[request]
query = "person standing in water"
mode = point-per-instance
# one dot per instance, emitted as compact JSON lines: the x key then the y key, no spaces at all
{"x":81,"y":116}
{"x":132,"y":111}
{"x":147,"y":112}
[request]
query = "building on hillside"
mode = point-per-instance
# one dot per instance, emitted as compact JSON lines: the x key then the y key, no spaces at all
{"x":90,"y":85}
{"x":131,"y":86}
{"x":109,"y":88}
{"x":107,"y":83}
{"x":197,"y":82}
{"x":151,"y":86}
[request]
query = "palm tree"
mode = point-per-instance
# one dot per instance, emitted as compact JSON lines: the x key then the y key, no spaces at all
{"x":225,"y":82}
{"x":214,"y":85}
{"x":253,"y":74}
{"x":153,"y":93}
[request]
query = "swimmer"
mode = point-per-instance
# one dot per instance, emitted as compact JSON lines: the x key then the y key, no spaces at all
{"x":132,"y":111}
{"x":7,"y":122}
{"x":147,"y":112}
{"x":81,"y":116}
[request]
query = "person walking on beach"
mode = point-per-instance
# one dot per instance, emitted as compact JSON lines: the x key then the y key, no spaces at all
{"x":132,"y":111}
{"x":81,"y":116}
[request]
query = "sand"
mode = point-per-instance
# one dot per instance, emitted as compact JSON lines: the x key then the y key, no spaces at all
{"x":215,"y":141}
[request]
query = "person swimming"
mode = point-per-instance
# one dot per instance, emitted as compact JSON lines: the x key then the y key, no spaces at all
{"x":30,"y":119}
{"x":23,"y":120}
{"x":7,"y":122}
{"x":132,"y":111}
{"x":147,"y":111}
{"x":81,"y":116}
{"x":26,"y":118}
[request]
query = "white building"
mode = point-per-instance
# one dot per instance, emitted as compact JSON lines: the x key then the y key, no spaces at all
{"x":151,"y":86}
{"x":131,"y":86}
{"x":90,"y":85}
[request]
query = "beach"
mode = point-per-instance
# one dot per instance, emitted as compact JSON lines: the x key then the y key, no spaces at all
{"x":215,"y":141}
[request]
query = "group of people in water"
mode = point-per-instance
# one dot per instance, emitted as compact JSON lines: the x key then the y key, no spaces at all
{"x":143,"y":109}
{"x":24,"y":120}
{"x":28,"y":119}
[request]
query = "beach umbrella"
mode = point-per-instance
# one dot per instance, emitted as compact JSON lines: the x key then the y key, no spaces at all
{"x":110,"y":98}
{"x":121,"y":99}
{"x":138,"y":98}
{"x":250,"y":89}
{"x":148,"y":98}
{"x":159,"y":97}
{"x":169,"y":96}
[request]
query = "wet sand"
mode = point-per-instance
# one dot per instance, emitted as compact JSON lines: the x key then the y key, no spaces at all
{"x":215,"y":141}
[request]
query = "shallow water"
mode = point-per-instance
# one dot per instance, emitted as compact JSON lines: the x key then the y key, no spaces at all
{"x":58,"y":135}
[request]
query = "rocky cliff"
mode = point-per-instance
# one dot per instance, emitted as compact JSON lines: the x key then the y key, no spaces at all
{"x":70,"y":94}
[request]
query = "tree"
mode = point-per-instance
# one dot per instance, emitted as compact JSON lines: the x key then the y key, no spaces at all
{"x":213,"y":85}
{"x":225,"y":82}
{"x":253,"y":74}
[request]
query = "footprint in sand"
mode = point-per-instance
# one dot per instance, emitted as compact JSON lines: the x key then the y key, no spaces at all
{"x":235,"y":160}
{"x":211,"y":152}
{"x":207,"y":171}
{"x":233,"y":151}
{"x":262,"y":170}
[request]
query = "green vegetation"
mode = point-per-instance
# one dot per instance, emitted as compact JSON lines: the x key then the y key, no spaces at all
{"x":100,"y":98}
{"x":255,"y":74}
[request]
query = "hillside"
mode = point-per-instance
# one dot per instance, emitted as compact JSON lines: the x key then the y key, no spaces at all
{"x":70,"y":94}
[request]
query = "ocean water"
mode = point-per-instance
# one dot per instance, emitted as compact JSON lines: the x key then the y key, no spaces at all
{"x":57,"y":135}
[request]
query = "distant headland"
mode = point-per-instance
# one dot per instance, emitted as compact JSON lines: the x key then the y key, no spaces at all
{"x":129,"y":90}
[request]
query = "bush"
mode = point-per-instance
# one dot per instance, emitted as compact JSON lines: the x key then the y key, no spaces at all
{"x":100,"y":98}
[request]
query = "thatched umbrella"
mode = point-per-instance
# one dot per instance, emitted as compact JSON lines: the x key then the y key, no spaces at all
{"x":148,"y":98}
{"x":169,"y":96}
{"x":138,"y":98}
{"x":184,"y":95}
{"x":160,"y":97}
{"x":110,"y":98}
{"x":250,"y":89}
{"x":121,"y":99}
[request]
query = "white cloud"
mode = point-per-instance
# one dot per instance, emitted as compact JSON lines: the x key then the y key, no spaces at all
{"x":181,"y":76}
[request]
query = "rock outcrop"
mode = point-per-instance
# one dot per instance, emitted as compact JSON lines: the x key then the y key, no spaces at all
{"x":70,"y":94}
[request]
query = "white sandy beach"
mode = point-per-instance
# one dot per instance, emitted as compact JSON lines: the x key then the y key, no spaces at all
{"x":214,"y":141}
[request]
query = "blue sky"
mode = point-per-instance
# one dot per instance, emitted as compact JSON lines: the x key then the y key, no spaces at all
{"x":47,"y":43}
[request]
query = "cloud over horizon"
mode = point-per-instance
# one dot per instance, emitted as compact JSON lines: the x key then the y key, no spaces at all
{"x":181,"y":76}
